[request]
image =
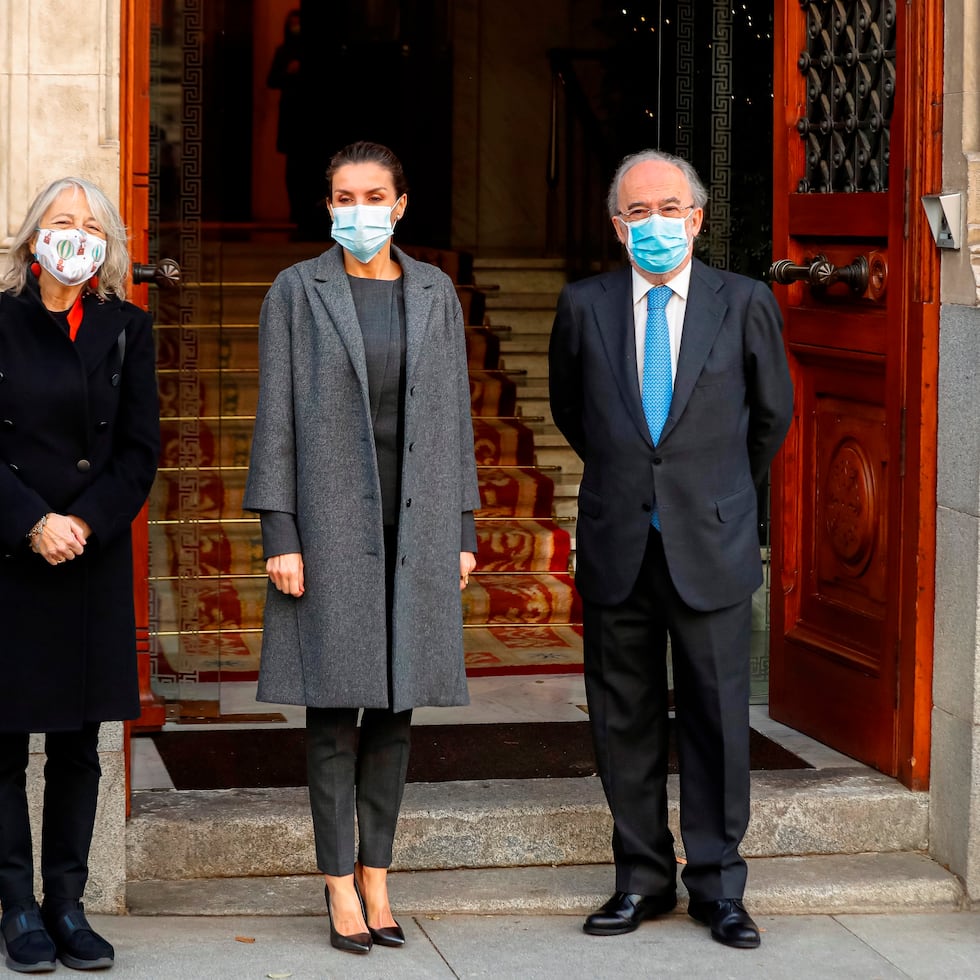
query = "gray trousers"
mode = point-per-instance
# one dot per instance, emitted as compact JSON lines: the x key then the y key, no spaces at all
{"x":346,"y":773}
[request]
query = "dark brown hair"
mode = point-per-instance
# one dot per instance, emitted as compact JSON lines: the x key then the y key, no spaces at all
{"x":365,"y":152}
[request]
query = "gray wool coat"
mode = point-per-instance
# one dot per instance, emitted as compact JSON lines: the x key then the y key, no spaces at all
{"x":313,"y":456}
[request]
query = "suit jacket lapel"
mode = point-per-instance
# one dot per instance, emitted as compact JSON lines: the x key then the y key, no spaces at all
{"x":702,"y":320}
{"x":613,"y":311}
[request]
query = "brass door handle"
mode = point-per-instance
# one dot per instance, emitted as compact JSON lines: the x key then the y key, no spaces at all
{"x":165,"y":273}
{"x":821,"y":273}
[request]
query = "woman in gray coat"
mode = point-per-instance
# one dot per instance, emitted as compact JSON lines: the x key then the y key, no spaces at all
{"x":363,"y":472}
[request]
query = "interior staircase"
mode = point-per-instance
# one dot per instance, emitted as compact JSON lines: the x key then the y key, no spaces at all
{"x":820,"y":841}
{"x":207,"y":579}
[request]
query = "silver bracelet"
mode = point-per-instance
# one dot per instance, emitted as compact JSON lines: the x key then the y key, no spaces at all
{"x":37,"y":529}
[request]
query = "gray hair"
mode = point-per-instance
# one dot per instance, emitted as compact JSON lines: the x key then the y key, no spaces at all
{"x":698,"y":191}
{"x":115,"y":269}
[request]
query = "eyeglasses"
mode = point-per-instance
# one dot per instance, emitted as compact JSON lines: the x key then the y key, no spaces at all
{"x":667,"y":211}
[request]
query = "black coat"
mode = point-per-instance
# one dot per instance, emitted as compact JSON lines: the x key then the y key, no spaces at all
{"x":79,"y":434}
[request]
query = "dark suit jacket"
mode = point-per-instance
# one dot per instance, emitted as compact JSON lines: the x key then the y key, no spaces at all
{"x":731,"y":409}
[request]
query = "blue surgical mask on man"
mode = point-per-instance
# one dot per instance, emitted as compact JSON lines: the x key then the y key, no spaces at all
{"x":362,"y":229}
{"x":657,"y":244}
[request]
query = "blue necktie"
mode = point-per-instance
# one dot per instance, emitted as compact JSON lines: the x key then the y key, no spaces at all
{"x":658,"y":384}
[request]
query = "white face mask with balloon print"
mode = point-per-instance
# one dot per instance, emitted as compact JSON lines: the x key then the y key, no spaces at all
{"x":71,"y":255}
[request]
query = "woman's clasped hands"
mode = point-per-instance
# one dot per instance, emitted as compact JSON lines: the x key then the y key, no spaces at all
{"x":59,"y":538}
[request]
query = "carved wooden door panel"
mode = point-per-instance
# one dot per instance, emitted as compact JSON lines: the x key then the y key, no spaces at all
{"x":851,"y":609}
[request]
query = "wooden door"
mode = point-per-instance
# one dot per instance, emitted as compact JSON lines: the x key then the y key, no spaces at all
{"x":134,"y":170}
{"x":857,"y":133}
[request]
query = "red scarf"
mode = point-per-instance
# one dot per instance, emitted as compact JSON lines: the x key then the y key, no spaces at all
{"x":75,"y":317}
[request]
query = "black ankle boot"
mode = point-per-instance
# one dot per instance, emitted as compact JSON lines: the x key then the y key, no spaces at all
{"x":79,"y":945}
{"x":28,"y":947}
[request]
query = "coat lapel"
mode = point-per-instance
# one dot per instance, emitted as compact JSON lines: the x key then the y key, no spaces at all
{"x":330,"y":284}
{"x":99,"y":332}
{"x":613,"y":311}
{"x":419,"y":296}
{"x":702,"y":320}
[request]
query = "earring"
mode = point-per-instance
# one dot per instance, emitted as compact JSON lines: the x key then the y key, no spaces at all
{"x":36,"y":269}
{"x":93,"y":283}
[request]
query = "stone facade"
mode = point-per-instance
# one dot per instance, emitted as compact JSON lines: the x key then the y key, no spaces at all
{"x":59,"y":114}
{"x":955,"y":785}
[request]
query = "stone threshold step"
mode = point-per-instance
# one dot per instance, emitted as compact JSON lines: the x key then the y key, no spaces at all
{"x":813,"y":885}
{"x":508,"y":823}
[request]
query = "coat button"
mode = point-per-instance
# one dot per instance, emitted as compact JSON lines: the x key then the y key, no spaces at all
{"x":15,"y":467}
{"x":102,"y":425}
{"x":647,"y":508}
{"x":408,"y":503}
{"x":657,"y":460}
{"x":83,"y":466}
{"x":1,"y":375}
{"x":7,"y":424}
{"x":411,"y":446}
{"x":115,"y":380}
{"x":412,"y":391}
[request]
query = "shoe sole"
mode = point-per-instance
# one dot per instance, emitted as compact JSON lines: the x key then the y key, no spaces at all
{"x":610,"y":932}
{"x":739,"y":943}
{"x":76,"y":964}
{"x":42,"y":966}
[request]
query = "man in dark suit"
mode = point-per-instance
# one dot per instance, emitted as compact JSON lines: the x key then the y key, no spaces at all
{"x":676,"y":399}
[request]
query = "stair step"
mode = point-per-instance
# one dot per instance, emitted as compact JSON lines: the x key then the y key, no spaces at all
{"x":231,"y":546}
{"x":523,"y":343}
{"x":558,"y":455}
{"x":524,"y":321}
{"x":521,"y":597}
{"x":184,"y":835}
{"x":535,"y":363}
{"x":815,"y":885}
{"x":526,"y":545}
{"x":522,"y":275}
{"x":509,"y":299}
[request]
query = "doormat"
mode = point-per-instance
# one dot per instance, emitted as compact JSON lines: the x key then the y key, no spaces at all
{"x":256,"y":758}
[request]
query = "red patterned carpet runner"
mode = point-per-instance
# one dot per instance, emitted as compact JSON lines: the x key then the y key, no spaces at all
{"x":521,"y":610}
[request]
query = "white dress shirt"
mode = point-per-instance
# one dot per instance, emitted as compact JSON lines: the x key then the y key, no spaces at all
{"x":676,"y":307}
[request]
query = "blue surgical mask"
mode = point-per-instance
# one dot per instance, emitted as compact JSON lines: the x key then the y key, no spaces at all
{"x":658,"y":244}
{"x":362,"y":229}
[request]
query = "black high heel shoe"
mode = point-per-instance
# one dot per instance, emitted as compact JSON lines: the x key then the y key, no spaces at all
{"x":386,"y":935}
{"x":360,"y":942}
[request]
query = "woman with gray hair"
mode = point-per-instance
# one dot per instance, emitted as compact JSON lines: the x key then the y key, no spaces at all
{"x":79,"y":442}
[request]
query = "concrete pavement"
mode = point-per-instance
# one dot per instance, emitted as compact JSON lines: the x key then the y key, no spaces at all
{"x":921,"y":946}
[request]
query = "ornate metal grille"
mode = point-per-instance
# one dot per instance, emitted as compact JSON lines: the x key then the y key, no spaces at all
{"x":849,"y":68}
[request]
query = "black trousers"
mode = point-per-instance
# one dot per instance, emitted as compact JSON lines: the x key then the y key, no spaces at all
{"x":347,"y":773}
{"x":626,"y":689}
{"x":71,"y":792}
{"x":367,"y":774}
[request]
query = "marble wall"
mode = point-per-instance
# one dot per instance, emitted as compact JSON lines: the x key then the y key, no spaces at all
{"x":501,"y":105}
{"x":59,"y":96}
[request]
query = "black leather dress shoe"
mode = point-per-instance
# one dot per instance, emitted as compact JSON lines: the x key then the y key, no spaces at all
{"x":624,"y":912}
{"x":729,"y":922}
